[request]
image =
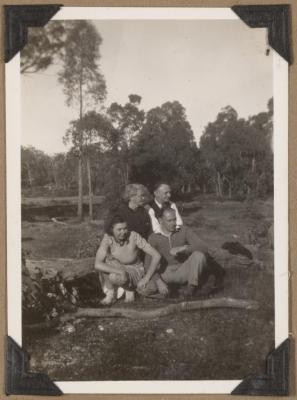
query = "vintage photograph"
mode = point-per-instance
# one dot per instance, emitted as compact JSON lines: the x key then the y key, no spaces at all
{"x":147,"y":199}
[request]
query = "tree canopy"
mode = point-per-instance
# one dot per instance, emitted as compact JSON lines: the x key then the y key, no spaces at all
{"x":165,"y":147}
{"x":44,"y":47}
{"x":238,"y":153}
{"x":122,"y":143}
{"x":82,"y":81}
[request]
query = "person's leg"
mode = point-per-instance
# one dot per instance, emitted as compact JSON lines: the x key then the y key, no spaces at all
{"x":150,"y":290}
{"x":104,"y":281}
{"x":135,"y":273}
{"x":125,"y":283}
{"x":188,"y":273}
{"x":118,"y":280}
{"x":195,"y":265}
{"x":129,"y":296}
{"x":111,"y":282}
{"x":173,"y":274}
{"x":108,"y":289}
{"x":215,"y":269}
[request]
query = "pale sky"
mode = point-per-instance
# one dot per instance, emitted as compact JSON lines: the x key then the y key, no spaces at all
{"x":205,"y":65}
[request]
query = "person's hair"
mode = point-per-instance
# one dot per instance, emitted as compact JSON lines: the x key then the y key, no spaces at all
{"x":166,"y":209}
{"x":131,"y":190}
{"x":111,"y":221}
{"x":158,"y":184}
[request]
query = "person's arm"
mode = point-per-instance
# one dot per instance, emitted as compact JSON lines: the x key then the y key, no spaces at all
{"x":179,"y":221}
{"x":154,"y":221}
{"x":154,"y":260}
{"x":194,"y":242}
{"x":161,"y":285}
{"x":185,"y":249}
{"x":101,"y":255}
{"x":147,"y":258}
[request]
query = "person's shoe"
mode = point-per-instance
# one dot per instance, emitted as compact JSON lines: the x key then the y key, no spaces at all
{"x":163,"y":289}
{"x":206,"y":289}
{"x":120,"y":292}
{"x":129,"y":296}
{"x":219,"y":281}
{"x":213,"y":285}
{"x":219,"y":274}
{"x":187,"y":292}
{"x":109,"y":299}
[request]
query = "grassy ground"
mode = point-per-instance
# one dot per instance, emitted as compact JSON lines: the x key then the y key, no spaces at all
{"x":205,"y":344}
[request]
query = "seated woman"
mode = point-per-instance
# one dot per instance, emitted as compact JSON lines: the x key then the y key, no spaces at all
{"x":119,"y":261}
{"x":132,"y":209}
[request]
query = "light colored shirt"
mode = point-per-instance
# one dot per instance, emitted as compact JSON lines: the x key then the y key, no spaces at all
{"x":154,"y":220}
{"x":128,"y":252}
{"x":164,"y":243}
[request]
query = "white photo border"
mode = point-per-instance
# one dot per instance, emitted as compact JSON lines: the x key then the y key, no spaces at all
{"x":13,"y":185}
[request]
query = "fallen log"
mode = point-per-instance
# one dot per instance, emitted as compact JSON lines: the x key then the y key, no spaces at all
{"x":68,"y":268}
{"x":50,"y":287}
{"x":113,"y":312}
{"x":42,"y":326}
{"x":190,"y":206}
{"x":48,"y":284}
{"x":38,"y":202}
{"x":224,"y":302}
{"x":71,"y":269}
{"x":58,"y":222}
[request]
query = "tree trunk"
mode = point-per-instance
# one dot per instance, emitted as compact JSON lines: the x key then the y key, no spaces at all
{"x":127,"y":173}
{"x":90,"y":188}
{"x":80,"y":190}
{"x":29,"y":175}
{"x":219,"y":183}
{"x":253,"y":164}
{"x":54,"y":171}
{"x":80,"y":175}
{"x":216,"y":185}
{"x":122,"y":176}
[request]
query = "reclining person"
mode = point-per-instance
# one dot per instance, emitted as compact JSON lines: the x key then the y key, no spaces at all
{"x":119,"y":262}
{"x":184,"y":259}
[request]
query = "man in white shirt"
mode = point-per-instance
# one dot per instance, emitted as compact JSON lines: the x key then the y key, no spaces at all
{"x":162,"y":195}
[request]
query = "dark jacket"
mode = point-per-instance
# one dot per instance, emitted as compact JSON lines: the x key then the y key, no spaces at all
{"x":138,"y":220}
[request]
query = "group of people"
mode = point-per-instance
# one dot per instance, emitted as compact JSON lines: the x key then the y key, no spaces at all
{"x":147,"y":249}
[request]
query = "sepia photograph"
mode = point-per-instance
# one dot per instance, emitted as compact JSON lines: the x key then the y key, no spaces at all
{"x":149,"y":179}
